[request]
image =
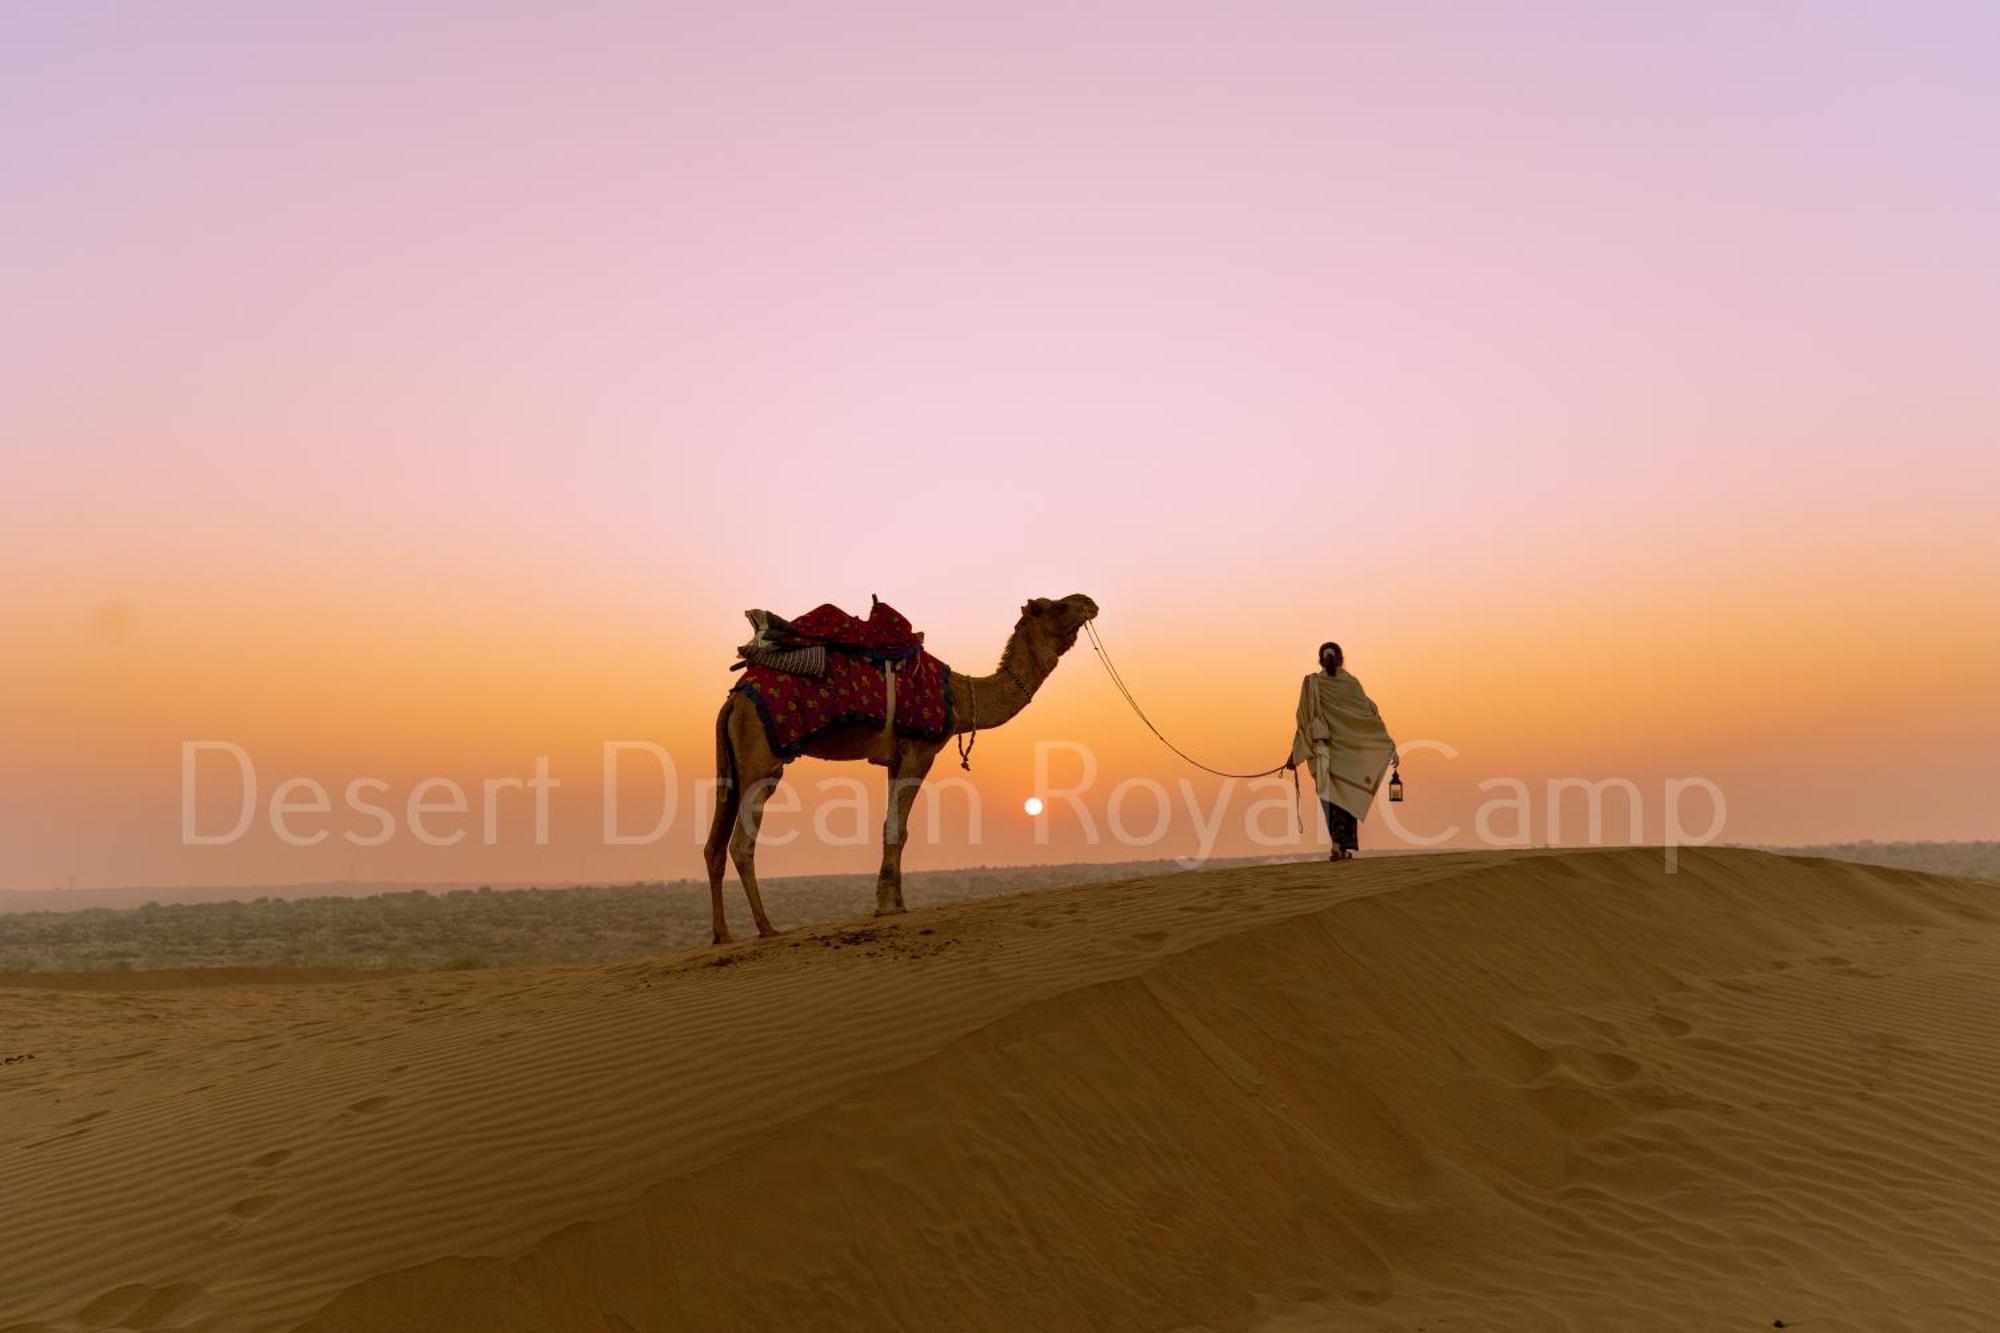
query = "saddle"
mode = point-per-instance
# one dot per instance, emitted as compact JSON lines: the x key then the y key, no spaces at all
{"x":799,"y":647}
{"x":828,"y":669}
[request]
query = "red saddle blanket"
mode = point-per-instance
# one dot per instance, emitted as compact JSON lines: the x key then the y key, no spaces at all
{"x":797,"y":709}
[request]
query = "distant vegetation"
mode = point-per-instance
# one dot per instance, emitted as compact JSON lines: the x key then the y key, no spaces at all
{"x":470,"y":928}
{"x":1963,"y":860}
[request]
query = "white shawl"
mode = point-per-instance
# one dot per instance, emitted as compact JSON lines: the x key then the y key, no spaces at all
{"x":1341,"y":733}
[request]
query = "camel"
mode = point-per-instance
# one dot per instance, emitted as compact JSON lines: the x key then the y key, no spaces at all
{"x":747,"y":771}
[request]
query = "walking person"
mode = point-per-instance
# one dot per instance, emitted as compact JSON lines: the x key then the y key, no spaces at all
{"x":1341,"y":734}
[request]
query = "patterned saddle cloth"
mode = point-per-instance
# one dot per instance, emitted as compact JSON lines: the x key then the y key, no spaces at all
{"x":828,"y":669}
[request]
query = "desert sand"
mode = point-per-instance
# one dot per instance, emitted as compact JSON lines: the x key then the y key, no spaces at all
{"x":1534,"y":1091}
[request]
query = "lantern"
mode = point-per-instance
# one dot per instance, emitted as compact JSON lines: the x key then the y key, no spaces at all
{"x":1396,"y":784}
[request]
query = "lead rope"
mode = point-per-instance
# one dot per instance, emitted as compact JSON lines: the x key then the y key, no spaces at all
{"x":1118,"y":682}
{"x":972,"y":697}
{"x":966,"y":740}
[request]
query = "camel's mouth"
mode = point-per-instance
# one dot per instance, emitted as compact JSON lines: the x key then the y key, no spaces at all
{"x":1077,"y":611}
{"x":1063,"y":617}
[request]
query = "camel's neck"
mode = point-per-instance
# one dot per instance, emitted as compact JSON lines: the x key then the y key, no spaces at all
{"x":997,"y":698}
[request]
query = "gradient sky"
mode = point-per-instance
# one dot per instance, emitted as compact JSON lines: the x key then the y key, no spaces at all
{"x":413,"y":394}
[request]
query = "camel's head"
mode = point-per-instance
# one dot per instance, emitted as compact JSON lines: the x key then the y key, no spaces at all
{"x":1061,"y":620}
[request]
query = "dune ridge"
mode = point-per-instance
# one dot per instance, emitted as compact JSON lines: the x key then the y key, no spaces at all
{"x":1530,"y":1090}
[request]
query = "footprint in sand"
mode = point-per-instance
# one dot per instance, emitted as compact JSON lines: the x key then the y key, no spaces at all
{"x":275,"y":1157}
{"x":368,"y":1105}
{"x":137,"y":1305}
{"x":1672,"y":1026}
{"x":1613,"y":1067}
{"x":1600,"y":1067}
{"x":241,"y":1214}
{"x":254,"y":1206}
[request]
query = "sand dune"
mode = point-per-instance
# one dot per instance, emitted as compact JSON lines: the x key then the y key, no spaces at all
{"x":1491,"y":1091}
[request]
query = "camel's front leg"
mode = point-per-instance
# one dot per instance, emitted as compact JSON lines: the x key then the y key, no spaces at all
{"x":906,"y":777}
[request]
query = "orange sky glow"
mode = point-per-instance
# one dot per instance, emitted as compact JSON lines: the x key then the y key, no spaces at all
{"x":404,"y":397}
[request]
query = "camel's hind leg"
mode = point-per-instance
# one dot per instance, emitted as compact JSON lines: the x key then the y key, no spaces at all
{"x":728,"y":794}
{"x":743,"y":843}
{"x":747,"y":773}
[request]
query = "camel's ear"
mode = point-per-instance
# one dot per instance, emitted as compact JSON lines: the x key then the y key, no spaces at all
{"x":1037,"y":606}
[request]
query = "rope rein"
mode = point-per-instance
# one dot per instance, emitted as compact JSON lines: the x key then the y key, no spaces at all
{"x":1118,"y":681}
{"x":967,"y":739}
